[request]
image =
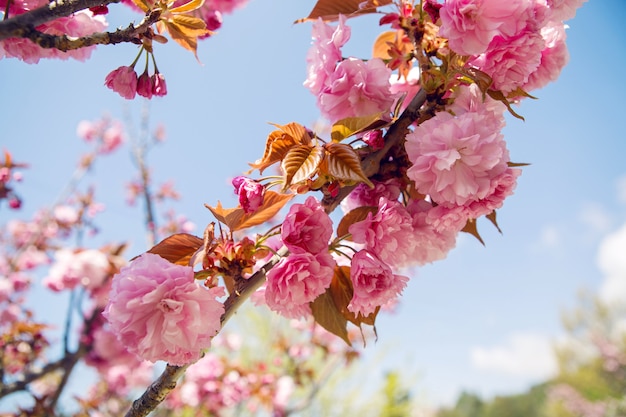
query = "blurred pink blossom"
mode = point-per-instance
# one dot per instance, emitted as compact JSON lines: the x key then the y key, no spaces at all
{"x":296,"y":281}
{"x":374,"y":283}
{"x":160,"y":312}
{"x":87,"y":268}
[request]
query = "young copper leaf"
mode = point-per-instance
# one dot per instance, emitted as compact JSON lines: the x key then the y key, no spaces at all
{"x":517,"y":164}
{"x":330,"y":10}
{"x":237,"y":219}
{"x":492,"y":218}
{"x":353,"y":216}
{"x":188,"y":7}
{"x":185,"y":30}
{"x":296,"y":131}
{"x":352,"y":125}
{"x":143,"y":5}
{"x":277,"y":145}
{"x":300,"y":163}
{"x":470,"y":227}
{"x":178,"y":248}
{"x":342,"y":291}
{"x":342,"y":163}
{"x":326,"y":315}
{"x":381,"y":44}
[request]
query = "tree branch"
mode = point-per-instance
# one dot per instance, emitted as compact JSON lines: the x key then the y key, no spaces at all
{"x":166,"y":382}
{"x":66,"y":43}
{"x":16,"y":26}
{"x":394,"y":136}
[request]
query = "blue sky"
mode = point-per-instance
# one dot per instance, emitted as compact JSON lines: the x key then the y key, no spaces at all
{"x":502,"y":301}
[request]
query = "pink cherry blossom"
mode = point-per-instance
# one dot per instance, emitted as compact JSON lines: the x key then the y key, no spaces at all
{"x":123,"y":80}
{"x":469,"y":98}
{"x":225,"y":6}
{"x":455,"y":159}
{"x":374,"y":283}
{"x":564,"y":9}
{"x":470,"y":25}
{"x":363,"y":195}
{"x":388,"y":233}
{"x":82,"y":23}
{"x":88,"y":268}
{"x":159,"y":312}
{"x":553,"y":57}
{"x":510,"y":61}
{"x":307,"y":228}
{"x":251,"y":193}
{"x":325,"y":52}
{"x":356,"y":88}
{"x":432,"y":244}
{"x":296,"y":281}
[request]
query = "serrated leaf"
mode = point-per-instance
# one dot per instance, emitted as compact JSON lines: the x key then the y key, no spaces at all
{"x":277,"y":145}
{"x":300,"y":163}
{"x":354,"y":216}
{"x":237,"y":219}
{"x":188,"y":7}
{"x":492,"y":218}
{"x":185,"y":30}
{"x":296,"y":131}
{"x":326,"y":315}
{"x":342,"y":163}
{"x":329,"y":10}
{"x":178,"y":248}
{"x":470,"y":227}
{"x":353,"y":125}
{"x":342,"y":291}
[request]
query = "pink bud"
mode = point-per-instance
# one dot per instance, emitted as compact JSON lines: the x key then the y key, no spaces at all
{"x":144,"y":85}
{"x":159,"y":88}
{"x":374,"y":139}
{"x":123,"y":81}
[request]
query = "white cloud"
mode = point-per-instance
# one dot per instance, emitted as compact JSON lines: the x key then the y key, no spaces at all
{"x":527,"y":355}
{"x":596,"y":217}
{"x":612,"y":262}
{"x":550,"y":237}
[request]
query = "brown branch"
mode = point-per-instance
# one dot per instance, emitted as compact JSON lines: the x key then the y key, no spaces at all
{"x":166,"y":382}
{"x":16,"y":26}
{"x":394,"y":136}
{"x":159,"y":389}
{"x":66,"y":43}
